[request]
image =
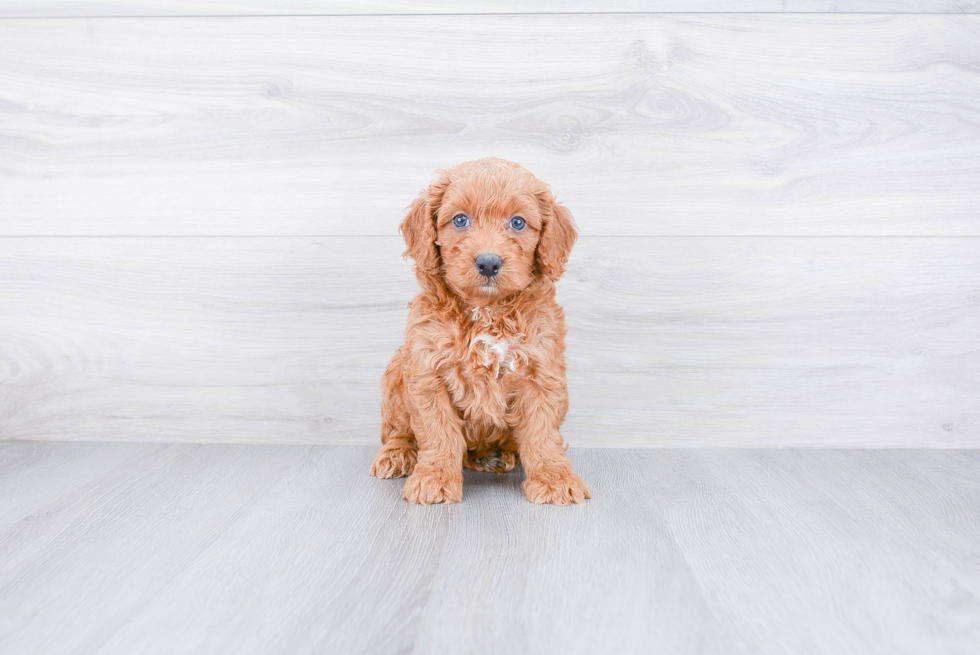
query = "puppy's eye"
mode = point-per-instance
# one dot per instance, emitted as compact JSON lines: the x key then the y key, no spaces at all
{"x":461,"y":220}
{"x":517,"y":223}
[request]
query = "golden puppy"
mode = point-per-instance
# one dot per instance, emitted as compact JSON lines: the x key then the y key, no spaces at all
{"x":480,"y":380}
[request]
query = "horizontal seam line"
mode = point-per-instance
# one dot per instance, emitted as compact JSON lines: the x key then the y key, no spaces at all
{"x":581,"y":236}
{"x":515,"y":14}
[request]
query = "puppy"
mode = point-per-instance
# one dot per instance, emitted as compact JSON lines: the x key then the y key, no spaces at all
{"x":480,"y":380}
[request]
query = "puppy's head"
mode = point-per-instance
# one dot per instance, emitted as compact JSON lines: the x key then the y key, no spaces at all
{"x":486,"y":228}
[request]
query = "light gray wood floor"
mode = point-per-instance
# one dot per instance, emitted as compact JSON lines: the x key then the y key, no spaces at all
{"x":133,"y":548}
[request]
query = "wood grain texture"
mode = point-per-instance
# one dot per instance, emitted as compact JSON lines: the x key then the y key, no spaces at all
{"x":291,"y":549}
{"x":33,"y":473}
{"x":91,"y":8}
{"x":644,"y":124}
{"x":694,"y":341}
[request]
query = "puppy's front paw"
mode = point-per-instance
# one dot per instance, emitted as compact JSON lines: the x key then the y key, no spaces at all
{"x":394,"y":460}
{"x":428,"y":486}
{"x":556,"y":489}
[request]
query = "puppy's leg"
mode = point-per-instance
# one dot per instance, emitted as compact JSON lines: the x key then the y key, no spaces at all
{"x":397,"y":456}
{"x":549,"y":475}
{"x":438,"y":474}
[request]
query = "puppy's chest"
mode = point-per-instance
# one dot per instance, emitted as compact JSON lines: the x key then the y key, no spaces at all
{"x":490,"y":353}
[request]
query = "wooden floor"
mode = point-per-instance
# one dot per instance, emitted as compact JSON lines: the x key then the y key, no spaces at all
{"x":137,"y":548}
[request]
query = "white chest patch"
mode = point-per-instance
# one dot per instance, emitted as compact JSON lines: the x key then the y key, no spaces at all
{"x":497,"y":353}
{"x":478,"y":313}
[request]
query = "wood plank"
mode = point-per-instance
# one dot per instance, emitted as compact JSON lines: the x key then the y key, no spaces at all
{"x":93,"y":8}
{"x":334,"y":559}
{"x":63,"y":490}
{"x":529,"y":567}
{"x":644,"y":124}
{"x":34,"y":473}
{"x":288,"y":549}
{"x":786,"y":519}
{"x":475,"y":573}
{"x":673,"y":341}
{"x":167,"y":510}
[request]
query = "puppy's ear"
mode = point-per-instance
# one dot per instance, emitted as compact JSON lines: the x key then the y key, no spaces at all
{"x":419,"y":227}
{"x":558,"y":235}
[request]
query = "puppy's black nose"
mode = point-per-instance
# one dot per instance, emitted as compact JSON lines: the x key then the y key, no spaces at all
{"x":488,"y":264}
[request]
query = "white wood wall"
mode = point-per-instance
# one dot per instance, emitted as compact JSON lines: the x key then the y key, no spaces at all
{"x":780,"y":211}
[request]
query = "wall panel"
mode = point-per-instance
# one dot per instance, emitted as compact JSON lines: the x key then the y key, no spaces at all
{"x":645,"y":125}
{"x":262,"y":8}
{"x":856,"y":342}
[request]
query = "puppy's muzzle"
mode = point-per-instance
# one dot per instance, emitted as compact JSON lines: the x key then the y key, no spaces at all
{"x":488,"y":264}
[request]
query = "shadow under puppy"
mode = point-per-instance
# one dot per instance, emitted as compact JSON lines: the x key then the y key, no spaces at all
{"x":480,"y":380}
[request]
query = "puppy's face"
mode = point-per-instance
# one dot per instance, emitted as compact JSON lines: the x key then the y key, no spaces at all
{"x":487,"y":231}
{"x":487,"y":228}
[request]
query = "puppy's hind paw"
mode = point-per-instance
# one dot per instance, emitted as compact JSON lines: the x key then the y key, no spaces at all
{"x":494,"y":462}
{"x":556,"y":489}
{"x":394,"y":460}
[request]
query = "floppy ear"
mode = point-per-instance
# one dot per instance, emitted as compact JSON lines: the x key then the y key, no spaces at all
{"x":558,"y":235}
{"x":419,"y":228}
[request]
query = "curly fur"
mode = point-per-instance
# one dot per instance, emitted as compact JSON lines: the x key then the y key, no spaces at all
{"x":480,"y":380}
